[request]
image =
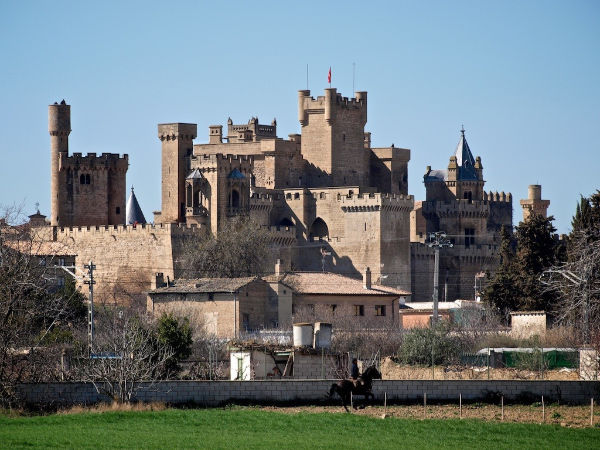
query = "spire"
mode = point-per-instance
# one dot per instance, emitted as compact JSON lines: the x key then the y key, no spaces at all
{"x":464,"y":158}
{"x":134,"y":214}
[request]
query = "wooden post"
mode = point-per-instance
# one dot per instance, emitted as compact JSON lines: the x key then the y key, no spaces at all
{"x":502,"y":403}
{"x":385,"y":403}
{"x":460,"y":405}
{"x":543,"y":410}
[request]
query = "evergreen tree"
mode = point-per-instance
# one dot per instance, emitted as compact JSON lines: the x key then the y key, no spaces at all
{"x":515,"y":285}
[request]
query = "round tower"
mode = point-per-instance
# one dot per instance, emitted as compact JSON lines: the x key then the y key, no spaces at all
{"x":59,"y":127}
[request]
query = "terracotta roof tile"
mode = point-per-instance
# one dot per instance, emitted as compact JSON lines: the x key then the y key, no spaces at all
{"x":331,"y":283}
{"x":205,"y":285}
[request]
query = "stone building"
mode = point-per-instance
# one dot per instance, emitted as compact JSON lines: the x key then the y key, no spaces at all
{"x":344,"y":204}
{"x":330,"y":201}
{"x":457,"y":204}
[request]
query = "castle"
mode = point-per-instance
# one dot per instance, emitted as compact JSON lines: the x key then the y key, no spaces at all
{"x":330,"y":200}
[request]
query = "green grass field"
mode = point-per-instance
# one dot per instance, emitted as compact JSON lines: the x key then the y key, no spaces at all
{"x":244,"y":428}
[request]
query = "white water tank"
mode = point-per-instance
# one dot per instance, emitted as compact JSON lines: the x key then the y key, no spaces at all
{"x":322,"y":335}
{"x":303,"y":334}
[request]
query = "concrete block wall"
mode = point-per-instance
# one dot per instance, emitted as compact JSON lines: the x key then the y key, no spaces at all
{"x":214,"y":393}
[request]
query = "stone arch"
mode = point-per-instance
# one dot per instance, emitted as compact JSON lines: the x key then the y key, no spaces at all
{"x":318,"y":230}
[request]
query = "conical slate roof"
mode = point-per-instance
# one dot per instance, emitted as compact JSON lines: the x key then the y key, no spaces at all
{"x":134,"y":214}
{"x":464,"y":159}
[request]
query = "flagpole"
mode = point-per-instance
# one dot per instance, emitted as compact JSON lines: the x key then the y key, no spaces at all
{"x":307,"y":77}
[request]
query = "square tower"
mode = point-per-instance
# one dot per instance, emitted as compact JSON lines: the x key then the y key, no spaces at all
{"x":333,"y":138}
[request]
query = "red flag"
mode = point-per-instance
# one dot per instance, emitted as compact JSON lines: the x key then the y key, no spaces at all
{"x":329,"y":76}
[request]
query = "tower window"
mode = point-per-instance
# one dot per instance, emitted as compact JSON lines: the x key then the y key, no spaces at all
{"x":380,"y":310}
{"x":469,"y":237}
{"x":118,"y":210}
{"x":359,"y":310}
{"x":84,"y":178}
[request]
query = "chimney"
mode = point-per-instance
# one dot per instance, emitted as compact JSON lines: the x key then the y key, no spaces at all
{"x":367,"y":279}
{"x":278,"y":268}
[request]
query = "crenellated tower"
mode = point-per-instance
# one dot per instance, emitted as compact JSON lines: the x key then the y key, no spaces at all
{"x":534,"y":204}
{"x":85,"y":190}
{"x":333,"y":138}
{"x":177,"y":147}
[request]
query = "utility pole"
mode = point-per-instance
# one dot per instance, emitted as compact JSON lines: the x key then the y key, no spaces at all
{"x":90,"y":282}
{"x":437,"y":240}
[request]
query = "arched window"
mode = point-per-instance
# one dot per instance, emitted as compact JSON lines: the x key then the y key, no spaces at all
{"x":318,"y":230}
{"x":87,"y":178}
{"x":189,"y":196}
{"x":82,"y":179}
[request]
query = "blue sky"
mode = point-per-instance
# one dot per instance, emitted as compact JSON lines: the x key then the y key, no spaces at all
{"x":523,"y":77}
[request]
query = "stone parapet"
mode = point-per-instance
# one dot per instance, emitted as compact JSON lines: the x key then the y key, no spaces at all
{"x":91,"y":161}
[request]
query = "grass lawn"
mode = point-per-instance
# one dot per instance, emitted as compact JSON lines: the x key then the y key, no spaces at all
{"x":253,"y":428}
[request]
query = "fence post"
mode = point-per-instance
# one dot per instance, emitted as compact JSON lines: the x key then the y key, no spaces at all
{"x":502,"y":404}
{"x":543,"y":410}
{"x":460,"y":405}
{"x":424,"y":404}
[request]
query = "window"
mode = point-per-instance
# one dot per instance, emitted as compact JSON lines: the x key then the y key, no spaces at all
{"x":211,"y":296}
{"x":380,"y":310}
{"x":61,"y":261}
{"x":246,"y":321}
{"x":118,"y":210}
{"x":359,"y":310}
{"x":60,"y":281}
{"x":84,"y":178}
{"x":468,"y":196}
{"x":87,"y":179}
{"x":469,"y":237}
{"x":333,"y":308}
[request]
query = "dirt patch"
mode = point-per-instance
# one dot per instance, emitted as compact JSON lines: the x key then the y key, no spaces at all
{"x":566,"y":416}
{"x":394,"y":371}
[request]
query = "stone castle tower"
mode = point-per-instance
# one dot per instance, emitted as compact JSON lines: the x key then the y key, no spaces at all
{"x":333,"y":138}
{"x":457,"y":204}
{"x":534,"y":203}
{"x":85,"y":190}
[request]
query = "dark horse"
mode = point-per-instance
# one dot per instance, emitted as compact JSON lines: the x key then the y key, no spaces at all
{"x":361,"y":386}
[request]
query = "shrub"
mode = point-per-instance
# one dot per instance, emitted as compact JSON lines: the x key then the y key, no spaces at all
{"x":424,"y":345}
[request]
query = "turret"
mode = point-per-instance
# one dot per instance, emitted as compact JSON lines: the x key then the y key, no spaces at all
{"x":534,"y":203}
{"x":177,"y":144}
{"x":59,"y":127}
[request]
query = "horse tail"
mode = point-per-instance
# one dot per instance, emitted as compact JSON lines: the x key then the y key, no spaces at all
{"x":332,"y":389}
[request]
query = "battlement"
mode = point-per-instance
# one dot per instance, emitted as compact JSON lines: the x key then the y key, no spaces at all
{"x":162,"y":228}
{"x":497,"y":197}
{"x":174,"y":131}
{"x":329,"y":103}
{"x":217,"y":158}
{"x":91,"y":161}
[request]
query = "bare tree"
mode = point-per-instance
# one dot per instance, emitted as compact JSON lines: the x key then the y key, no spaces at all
{"x":577,"y":282}
{"x":126,"y":353}
{"x":36,"y":317}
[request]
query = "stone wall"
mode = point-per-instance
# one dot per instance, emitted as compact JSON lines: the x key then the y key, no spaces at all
{"x":214,"y":393}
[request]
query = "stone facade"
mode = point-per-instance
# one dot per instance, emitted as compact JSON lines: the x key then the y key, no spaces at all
{"x":471,"y":218}
{"x":225,"y":307}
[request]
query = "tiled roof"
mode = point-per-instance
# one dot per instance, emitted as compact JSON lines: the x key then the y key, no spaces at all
{"x":205,"y":285}
{"x":328,"y":283}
